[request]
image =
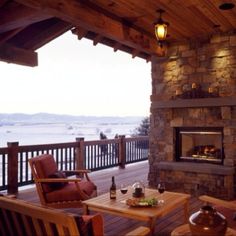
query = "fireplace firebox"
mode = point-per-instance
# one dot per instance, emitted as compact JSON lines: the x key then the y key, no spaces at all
{"x":199,"y":144}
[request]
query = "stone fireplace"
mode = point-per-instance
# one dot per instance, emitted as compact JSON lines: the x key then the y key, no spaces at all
{"x":204,"y":164}
{"x":199,"y":144}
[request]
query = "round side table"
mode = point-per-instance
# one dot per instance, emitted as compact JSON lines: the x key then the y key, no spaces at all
{"x":184,"y":230}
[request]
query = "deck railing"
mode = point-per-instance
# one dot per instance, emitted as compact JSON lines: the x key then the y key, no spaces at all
{"x":93,"y":155}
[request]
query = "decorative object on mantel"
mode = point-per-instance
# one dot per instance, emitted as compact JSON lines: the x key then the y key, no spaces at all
{"x":194,"y":91}
{"x":207,"y":222}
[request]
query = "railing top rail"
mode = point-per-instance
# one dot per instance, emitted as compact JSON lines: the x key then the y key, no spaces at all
{"x":4,"y":150}
{"x":47,"y":146}
{"x":102,"y":141}
{"x":38,"y":147}
{"x":137,"y":138}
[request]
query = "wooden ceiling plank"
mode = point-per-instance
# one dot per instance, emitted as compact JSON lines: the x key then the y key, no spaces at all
{"x":184,"y":17}
{"x":211,"y":10}
{"x":229,"y":14}
{"x":78,"y":14}
{"x":207,"y":23}
{"x":138,"y":15}
{"x":184,"y":23}
{"x":2,"y":2}
{"x":11,"y":54}
{"x":7,"y":35}
{"x":150,"y":7}
{"x":19,"y":16}
{"x":150,"y":16}
{"x":124,"y":15}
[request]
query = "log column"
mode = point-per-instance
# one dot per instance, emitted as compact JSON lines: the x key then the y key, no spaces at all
{"x":122,"y":151}
{"x":12,"y":168}
{"x":80,"y":154}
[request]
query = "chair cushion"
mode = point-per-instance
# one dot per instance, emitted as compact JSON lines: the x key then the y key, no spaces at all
{"x":70,"y":192}
{"x":87,"y":187}
{"x":57,"y":185}
{"x":45,"y":165}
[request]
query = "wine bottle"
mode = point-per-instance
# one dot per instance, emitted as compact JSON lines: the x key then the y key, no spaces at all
{"x":113,"y":189}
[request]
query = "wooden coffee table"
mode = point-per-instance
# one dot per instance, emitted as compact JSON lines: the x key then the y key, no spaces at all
{"x":118,"y":207}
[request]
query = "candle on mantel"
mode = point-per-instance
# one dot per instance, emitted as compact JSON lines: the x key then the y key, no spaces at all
{"x":210,"y":90}
{"x":194,"y":85}
{"x":177,"y":92}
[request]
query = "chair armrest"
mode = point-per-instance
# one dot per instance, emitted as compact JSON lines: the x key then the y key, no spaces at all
{"x":219,"y":202}
{"x":140,"y":231}
{"x":76,"y":172}
{"x":79,"y":172}
{"x":56,"y":180}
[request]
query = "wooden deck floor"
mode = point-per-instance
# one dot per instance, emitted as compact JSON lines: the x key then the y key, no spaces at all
{"x":116,"y":226}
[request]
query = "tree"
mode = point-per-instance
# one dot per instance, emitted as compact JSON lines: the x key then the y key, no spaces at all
{"x":143,"y":129}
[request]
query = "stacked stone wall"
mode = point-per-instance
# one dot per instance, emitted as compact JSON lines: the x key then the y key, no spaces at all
{"x":209,"y":65}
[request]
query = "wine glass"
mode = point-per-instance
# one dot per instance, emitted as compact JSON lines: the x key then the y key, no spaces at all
{"x":123,"y":188}
{"x":161,"y":189}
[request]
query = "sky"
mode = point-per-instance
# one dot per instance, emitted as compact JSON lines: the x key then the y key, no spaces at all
{"x":76,"y":78}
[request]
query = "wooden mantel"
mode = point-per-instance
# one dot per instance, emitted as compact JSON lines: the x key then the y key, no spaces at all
{"x":191,"y":103}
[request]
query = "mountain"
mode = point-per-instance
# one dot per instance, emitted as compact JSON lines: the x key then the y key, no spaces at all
{"x":38,"y":118}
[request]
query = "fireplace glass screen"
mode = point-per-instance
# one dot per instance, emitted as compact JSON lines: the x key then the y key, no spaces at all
{"x":199,"y":145}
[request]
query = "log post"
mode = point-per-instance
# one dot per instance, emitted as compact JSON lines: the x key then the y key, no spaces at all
{"x":12,"y":168}
{"x":80,"y":153}
{"x":122,"y":151}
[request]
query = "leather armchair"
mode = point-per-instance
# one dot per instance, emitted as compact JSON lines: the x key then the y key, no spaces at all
{"x":54,"y":187}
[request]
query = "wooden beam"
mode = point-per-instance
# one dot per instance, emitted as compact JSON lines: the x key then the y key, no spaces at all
{"x":18,"y":16}
{"x":2,"y":2}
{"x":135,"y":53}
{"x":19,"y":56}
{"x":148,"y":59}
{"x":97,"y":39}
{"x":81,"y":15}
{"x":117,"y":46}
{"x":7,"y":35}
{"x":36,"y":36}
{"x":80,"y":32}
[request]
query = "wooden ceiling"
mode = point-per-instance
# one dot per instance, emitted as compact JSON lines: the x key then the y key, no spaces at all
{"x":128,"y":25}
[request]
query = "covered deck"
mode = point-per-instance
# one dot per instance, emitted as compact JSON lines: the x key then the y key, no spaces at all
{"x":114,"y":225}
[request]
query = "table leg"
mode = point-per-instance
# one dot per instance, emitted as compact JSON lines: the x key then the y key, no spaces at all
{"x":152,"y":224}
{"x":186,"y":211}
{"x":85,"y":209}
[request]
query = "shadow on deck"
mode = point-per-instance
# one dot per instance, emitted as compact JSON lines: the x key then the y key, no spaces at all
{"x":116,"y":226}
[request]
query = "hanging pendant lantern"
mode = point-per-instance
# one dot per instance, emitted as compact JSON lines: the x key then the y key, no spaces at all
{"x":161,"y":28}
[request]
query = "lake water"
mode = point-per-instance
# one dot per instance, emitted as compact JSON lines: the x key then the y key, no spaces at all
{"x":61,"y":132}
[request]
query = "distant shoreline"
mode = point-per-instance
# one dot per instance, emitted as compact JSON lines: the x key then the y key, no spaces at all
{"x":32,"y":132}
{"x":47,"y":118}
